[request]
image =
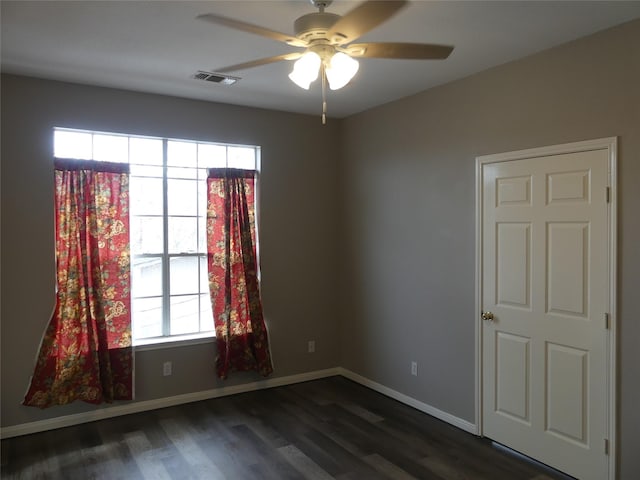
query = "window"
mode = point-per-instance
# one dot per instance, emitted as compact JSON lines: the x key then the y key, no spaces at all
{"x":169,"y":283}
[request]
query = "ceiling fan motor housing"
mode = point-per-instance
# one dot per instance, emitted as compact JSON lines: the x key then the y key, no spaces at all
{"x":314,"y":26}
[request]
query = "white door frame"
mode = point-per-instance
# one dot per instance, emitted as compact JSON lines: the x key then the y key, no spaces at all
{"x":610,"y":144}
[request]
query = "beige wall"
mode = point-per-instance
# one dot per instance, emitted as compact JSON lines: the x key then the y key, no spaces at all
{"x":298,"y":228}
{"x":409,"y":201}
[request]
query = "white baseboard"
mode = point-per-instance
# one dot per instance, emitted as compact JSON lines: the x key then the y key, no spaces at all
{"x":146,"y":405}
{"x":412,"y":402}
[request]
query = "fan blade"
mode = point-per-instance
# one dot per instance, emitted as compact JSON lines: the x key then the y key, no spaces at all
{"x":257,"y":63}
{"x":363,"y":18}
{"x":420,"y":51}
{"x":250,"y":28}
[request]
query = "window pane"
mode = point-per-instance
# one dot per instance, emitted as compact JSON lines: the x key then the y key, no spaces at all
{"x":202,"y":234}
{"x":173,"y":172}
{"x":185,"y":314}
{"x":183,"y":237}
{"x":202,"y":196}
{"x":146,"y":235}
{"x":145,"y":151}
{"x":183,"y":197}
{"x":183,"y":275}
{"x":72,"y":145}
{"x":111,"y":148}
{"x":146,"y":317}
{"x":242,"y":157}
{"x":206,"y":314}
{"x":146,"y":276}
{"x":145,"y":196}
{"x":181,"y":154}
{"x":212,"y":156}
{"x":202,"y":174}
{"x":145,"y":171}
{"x":204,"y":275}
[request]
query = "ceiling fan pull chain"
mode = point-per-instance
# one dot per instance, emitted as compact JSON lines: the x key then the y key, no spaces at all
{"x":324,"y":96}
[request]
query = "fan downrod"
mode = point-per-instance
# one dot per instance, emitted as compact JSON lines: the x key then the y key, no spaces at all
{"x":321,"y":4}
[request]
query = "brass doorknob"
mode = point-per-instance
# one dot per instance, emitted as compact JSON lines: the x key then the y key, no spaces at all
{"x":487,"y":316}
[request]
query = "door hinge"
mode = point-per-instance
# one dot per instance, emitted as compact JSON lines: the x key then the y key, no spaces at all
{"x":606,"y":446}
{"x":607,"y":194}
{"x":607,"y":322}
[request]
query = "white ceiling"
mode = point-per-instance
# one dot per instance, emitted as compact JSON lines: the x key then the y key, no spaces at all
{"x":155,"y":46}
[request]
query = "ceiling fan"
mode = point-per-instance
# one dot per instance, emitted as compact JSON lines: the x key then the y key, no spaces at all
{"x":327,"y":42}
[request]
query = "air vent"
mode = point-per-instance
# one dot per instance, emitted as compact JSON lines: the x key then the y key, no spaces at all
{"x":215,"y":78}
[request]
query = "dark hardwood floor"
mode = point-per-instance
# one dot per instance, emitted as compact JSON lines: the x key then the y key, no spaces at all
{"x":324,"y":429}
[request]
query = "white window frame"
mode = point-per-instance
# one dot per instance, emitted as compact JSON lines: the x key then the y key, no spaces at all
{"x":202,"y":335}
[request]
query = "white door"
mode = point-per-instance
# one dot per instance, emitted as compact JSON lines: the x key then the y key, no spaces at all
{"x":545,"y":281}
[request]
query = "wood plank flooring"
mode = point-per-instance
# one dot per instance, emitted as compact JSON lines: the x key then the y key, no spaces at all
{"x":325,"y":429}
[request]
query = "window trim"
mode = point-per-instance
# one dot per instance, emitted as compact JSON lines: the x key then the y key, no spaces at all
{"x":166,"y":340}
{"x":174,"y":341}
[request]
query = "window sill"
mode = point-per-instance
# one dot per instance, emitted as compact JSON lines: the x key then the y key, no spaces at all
{"x":173,"y":342}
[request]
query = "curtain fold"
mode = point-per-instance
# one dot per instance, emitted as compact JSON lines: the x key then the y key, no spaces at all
{"x":86,"y":352}
{"x":241,"y":333}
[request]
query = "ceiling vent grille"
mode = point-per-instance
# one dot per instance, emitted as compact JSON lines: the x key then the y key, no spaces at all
{"x":215,"y":78}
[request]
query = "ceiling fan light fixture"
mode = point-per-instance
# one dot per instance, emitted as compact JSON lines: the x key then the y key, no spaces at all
{"x":340,"y":70}
{"x":305,"y":70}
{"x":328,"y":39}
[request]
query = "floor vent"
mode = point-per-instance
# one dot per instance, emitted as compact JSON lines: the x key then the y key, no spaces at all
{"x":215,"y":77}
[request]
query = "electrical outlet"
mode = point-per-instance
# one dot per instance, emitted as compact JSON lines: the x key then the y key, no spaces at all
{"x":166,"y":368}
{"x":311,"y":347}
{"x":414,"y":369}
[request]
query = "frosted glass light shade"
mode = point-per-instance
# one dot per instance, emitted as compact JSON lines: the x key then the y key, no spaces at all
{"x":305,"y":70}
{"x":340,"y":70}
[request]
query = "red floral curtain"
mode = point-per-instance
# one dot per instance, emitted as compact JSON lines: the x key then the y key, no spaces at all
{"x":241,"y":334}
{"x":86,"y":351}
